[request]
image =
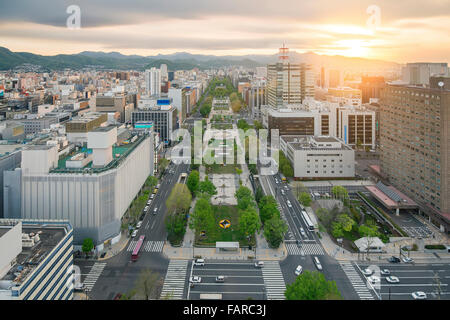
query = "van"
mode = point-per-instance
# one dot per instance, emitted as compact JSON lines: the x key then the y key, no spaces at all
{"x":199,"y":262}
{"x":259,"y":264}
{"x":317,"y":263}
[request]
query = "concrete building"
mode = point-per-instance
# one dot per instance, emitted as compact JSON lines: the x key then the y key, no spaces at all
{"x":371,"y":88}
{"x":92,"y":187}
{"x":36,"y":260}
{"x":415,"y":145}
{"x":318,"y":157}
{"x":77,"y":129}
{"x":153,"y":82}
{"x":9,"y":160}
{"x":115,"y":104}
{"x":288,"y":83}
{"x":36,"y":125}
{"x":12,"y":130}
{"x":419,"y":73}
{"x":179,"y":101}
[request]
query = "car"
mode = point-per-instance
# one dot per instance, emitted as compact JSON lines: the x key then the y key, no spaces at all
{"x":392,"y":279}
{"x":286,"y":187}
{"x":298,"y":270}
{"x":220,"y":279}
{"x":373,"y":279}
{"x":195,"y":279}
{"x":199,"y":262}
{"x":289,"y":204}
{"x":367,"y":272}
{"x":259,"y":264}
{"x":155,"y":190}
{"x":155,"y":211}
{"x":407,"y":260}
{"x":152,"y":196}
{"x":158,"y":185}
{"x":148,"y":202}
{"x":419,"y":295}
{"x":385,"y":272}
{"x":302,"y":232}
{"x":146,"y":208}
{"x":139,"y":224}
{"x":134,"y":234}
{"x":394,"y":259}
{"x":317,"y":263}
{"x":282,"y":192}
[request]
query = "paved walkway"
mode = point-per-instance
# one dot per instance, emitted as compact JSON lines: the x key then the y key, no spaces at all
{"x":115,"y":248}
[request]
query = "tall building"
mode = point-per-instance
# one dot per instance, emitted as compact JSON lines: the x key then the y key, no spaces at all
{"x":164,"y":73}
{"x":153,"y":81}
{"x":179,"y":101}
{"x":371,"y":88}
{"x":419,"y":73}
{"x":415,"y":145}
{"x":288,"y":83}
{"x":36,"y":260}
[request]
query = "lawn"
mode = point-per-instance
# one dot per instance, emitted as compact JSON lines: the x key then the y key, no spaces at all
{"x":221,"y":169}
{"x":219,"y":234}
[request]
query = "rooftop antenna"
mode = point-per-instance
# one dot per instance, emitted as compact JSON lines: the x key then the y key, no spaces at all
{"x":283,"y":53}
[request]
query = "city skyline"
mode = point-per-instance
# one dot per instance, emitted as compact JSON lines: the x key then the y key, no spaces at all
{"x":383,"y":30}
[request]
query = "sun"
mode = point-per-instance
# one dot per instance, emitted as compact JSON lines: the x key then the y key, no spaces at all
{"x":354,"y":48}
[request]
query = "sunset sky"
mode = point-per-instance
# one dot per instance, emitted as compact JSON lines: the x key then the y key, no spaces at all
{"x":408,"y":31}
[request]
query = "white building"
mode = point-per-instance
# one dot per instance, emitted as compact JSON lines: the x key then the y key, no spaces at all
{"x":419,"y":73}
{"x":164,"y":73}
{"x":318,"y":157}
{"x":153,"y":81}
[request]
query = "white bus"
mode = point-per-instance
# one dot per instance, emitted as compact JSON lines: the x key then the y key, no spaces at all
{"x":308,"y":221}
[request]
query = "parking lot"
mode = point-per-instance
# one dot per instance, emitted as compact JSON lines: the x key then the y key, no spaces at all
{"x":242,"y":280}
{"x":429,"y":278}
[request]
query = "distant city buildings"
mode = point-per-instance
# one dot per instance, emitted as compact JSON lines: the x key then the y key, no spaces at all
{"x":153,"y":82}
{"x":419,"y":73}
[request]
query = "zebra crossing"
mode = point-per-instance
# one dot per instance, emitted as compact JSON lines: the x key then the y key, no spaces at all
{"x":149,"y":246}
{"x":93,"y":275}
{"x":175,"y":280}
{"x":358,"y":284}
{"x":313,"y":249}
{"x":273,"y":280}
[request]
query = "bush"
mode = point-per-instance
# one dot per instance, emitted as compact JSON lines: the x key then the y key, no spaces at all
{"x":435,"y":247}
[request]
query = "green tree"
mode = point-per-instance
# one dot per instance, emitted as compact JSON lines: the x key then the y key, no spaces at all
{"x":88,"y":245}
{"x":340,"y":192}
{"x":163,"y":163}
{"x":268,"y":208}
{"x":243,"y":192}
{"x":151,"y":182}
{"x":312,"y":285}
{"x":274,"y":231}
{"x":249,"y":222}
{"x":337,"y":230}
{"x":202,"y":219}
{"x":148,"y":285}
{"x":175,"y":226}
{"x":259,"y":194}
{"x":287,"y":170}
{"x":207,"y":187}
{"x":193,"y":181}
{"x":179,"y":199}
{"x":305,"y":199}
{"x":346,"y":222}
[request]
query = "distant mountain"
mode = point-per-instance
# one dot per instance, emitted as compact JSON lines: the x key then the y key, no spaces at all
{"x":179,"y":61}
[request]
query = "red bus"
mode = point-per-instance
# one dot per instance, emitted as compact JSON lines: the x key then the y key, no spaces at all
{"x":135,"y":254}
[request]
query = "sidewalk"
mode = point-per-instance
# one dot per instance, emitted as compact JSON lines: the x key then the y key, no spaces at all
{"x":115,"y":248}
{"x":336,"y":251}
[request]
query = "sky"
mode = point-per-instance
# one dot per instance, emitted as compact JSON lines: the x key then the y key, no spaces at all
{"x":392,"y":30}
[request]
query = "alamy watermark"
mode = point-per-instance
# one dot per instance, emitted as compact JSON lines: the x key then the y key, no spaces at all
{"x":73,"y":21}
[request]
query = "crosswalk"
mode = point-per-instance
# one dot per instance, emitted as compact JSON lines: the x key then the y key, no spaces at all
{"x":273,"y":280}
{"x":93,"y":275}
{"x":313,"y":249}
{"x":149,"y":246}
{"x":357,"y":282}
{"x":175,"y":280}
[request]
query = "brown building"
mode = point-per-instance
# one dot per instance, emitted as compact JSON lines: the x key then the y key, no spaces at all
{"x":415,"y":145}
{"x":371,"y":88}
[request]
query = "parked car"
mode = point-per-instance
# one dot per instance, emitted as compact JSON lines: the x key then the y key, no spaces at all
{"x":385,"y":272}
{"x":259,"y":264}
{"x":199,"y":262}
{"x":394,"y":259}
{"x":148,"y":202}
{"x":220,"y":279}
{"x":392,"y":279}
{"x":407,"y":260}
{"x":367,"y":272}
{"x":419,"y":295}
{"x":146,"y":208}
{"x":139,"y":224}
{"x":298,"y":270}
{"x":195,"y":279}
{"x":152,"y":196}
{"x":283,"y":192}
{"x":134,"y":234}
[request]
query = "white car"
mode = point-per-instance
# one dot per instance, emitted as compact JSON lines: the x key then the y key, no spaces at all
{"x":373,"y":279}
{"x":407,"y":260}
{"x":195,"y":279}
{"x":303,"y":233}
{"x":317,"y":263}
{"x":385,"y":272}
{"x":419,"y":295}
{"x":367,"y":272}
{"x":199,"y":262}
{"x":139,"y":224}
{"x":392,"y":279}
{"x":155,"y":211}
{"x":298,"y":270}
{"x":282,"y":192}
{"x":289,"y":203}
{"x":148,"y":202}
{"x":134,"y":234}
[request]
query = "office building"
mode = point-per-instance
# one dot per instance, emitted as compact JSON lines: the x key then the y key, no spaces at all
{"x":153,"y":82}
{"x":36,"y":260}
{"x":77,"y":129}
{"x":318,"y":157}
{"x":415,"y":145}
{"x":371,"y":88}
{"x":419,"y":73}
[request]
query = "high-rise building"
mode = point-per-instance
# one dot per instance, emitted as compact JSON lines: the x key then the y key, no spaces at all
{"x":419,"y":73}
{"x":288,"y":83}
{"x":164,"y":74}
{"x":371,"y":88}
{"x":415,"y":145}
{"x":153,"y":81}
